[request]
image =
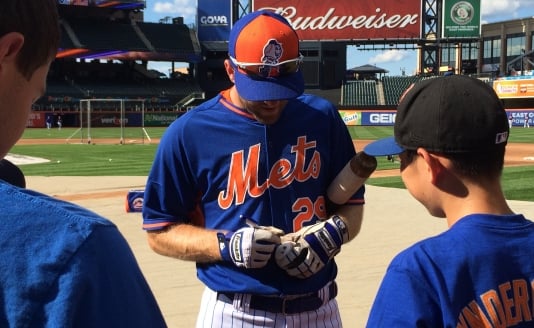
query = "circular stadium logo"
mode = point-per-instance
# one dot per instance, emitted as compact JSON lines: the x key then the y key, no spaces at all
{"x":462,"y":13}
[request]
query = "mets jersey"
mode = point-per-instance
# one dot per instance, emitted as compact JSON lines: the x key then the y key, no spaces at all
{"x":216,"y":166}
{"x":64,"y":266}
{"x":479,"y":273}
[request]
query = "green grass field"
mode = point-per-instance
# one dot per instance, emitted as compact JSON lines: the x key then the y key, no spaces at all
{"x":76,"y":134}
{"x":76,"y":159}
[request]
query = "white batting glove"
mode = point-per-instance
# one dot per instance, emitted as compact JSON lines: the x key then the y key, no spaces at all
{"x":311,"y":247}
{"x":248,"y":247}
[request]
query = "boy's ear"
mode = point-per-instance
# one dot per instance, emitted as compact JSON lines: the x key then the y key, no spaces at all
{"x":10,"y":45}
{"x":434,"y":166}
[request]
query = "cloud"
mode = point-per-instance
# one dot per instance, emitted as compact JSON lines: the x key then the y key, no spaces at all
{"x":389,"y":56}
{"x":500,"y":10}
{"x":184,"y":8}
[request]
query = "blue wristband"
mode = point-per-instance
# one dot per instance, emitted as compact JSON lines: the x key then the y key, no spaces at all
{"x":223,"y":247}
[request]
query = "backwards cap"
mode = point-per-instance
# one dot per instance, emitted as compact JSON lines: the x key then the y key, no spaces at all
{"x":452,"y":114}
{"x":265,"y":37}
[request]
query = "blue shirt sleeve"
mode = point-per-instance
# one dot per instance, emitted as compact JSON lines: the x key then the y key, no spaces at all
{"x":101,"y":286}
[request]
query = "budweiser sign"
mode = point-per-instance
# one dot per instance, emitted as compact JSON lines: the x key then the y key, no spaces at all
{"x":349,"y":19}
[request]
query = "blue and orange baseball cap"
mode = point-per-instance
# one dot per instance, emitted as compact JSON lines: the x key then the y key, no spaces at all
{"x":264,"y":51}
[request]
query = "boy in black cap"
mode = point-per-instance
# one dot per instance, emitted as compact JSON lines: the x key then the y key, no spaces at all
{"x":451,"y":133}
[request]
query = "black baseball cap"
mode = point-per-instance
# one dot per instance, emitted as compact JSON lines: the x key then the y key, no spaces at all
{"x":450,"y":114}
{"x":11,"y":173}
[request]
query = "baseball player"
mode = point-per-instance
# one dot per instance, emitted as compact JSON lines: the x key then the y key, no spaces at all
{"x":451,"y":134}
{"x":239,"y":185}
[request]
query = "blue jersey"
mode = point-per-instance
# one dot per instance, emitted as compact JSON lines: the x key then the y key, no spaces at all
{"x":479,"y":273}
{"x":63,"y":266}
{"x":216,"y":166}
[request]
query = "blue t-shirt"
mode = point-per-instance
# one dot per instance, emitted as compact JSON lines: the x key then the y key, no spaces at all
{"x":479,"y":273}
{"x":64,"y":266}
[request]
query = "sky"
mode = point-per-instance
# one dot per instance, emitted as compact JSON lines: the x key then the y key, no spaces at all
{"x":395,"y":61}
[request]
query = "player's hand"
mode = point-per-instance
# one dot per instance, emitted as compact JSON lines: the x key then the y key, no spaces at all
{"x":249,"y":247}
{"x":304,"y":253}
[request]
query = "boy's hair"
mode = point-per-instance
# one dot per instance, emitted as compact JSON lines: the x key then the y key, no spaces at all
{"x":472,"y":166}
{"x":479,"y":165}
{"x":38,"y":22}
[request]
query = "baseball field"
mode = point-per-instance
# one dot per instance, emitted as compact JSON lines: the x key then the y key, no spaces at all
{"x":99,"y":175}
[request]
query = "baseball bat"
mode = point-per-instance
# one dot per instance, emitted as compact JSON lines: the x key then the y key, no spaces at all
{"x":351,"y":178}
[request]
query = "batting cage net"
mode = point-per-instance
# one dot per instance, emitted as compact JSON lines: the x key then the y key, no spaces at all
{"x":111,"y":121}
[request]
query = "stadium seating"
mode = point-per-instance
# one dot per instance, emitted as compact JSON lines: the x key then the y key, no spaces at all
{"x":360,"y":93}
{"x":394,"y":87}
{"x":90,"y":32}
{"x":106,"y":35}
{"x":164,"y":39}
{"x":369,"y":92}
{"x":69,"y":81}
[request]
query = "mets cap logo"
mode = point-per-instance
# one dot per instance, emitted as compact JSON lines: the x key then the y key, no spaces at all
{"x":272,"y":52}
{"x":137,"y":203}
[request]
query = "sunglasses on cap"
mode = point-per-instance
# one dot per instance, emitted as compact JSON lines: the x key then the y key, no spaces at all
{"x":264,"y":70}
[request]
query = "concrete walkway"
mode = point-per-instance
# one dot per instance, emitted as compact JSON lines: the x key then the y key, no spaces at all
{"x":393,"y":221}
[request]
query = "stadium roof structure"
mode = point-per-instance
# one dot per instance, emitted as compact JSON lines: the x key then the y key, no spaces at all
{"x":216,"y":46}
{"x":368,"y":69}
{"x":128,"y":40}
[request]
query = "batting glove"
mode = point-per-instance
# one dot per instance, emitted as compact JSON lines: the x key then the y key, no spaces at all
{"x":248,"y":247}
{"x":312,"y":247}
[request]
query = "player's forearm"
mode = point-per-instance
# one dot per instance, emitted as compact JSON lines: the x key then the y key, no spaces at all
{"x":345,"y":184}
{"x":186,"y":242}
{"x":352,"y":216}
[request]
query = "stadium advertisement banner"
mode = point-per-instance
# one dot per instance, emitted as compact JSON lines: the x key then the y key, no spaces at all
{"x":160,"y":119}
{"x":214,"y":20}
{"x":349,"y":19}
{"x":514,"y":88}
{"x":387,"y":117}
{"x":368,"y":117}
{"x":517,"y":117}
{"x":461,"y":19}
{"x":114,"y":120}
{"x":109,"y":120}
{"x":36,"y":120}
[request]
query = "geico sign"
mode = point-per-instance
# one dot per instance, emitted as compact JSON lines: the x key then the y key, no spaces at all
{"x":214,"y":20}
{"x":382,"y":118}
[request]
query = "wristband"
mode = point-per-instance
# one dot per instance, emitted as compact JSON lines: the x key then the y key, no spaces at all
{"x":341,"y":227}
{"x":223,"y":247}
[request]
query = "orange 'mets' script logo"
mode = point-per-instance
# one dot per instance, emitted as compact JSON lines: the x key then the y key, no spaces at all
{"x":243,"y":177}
